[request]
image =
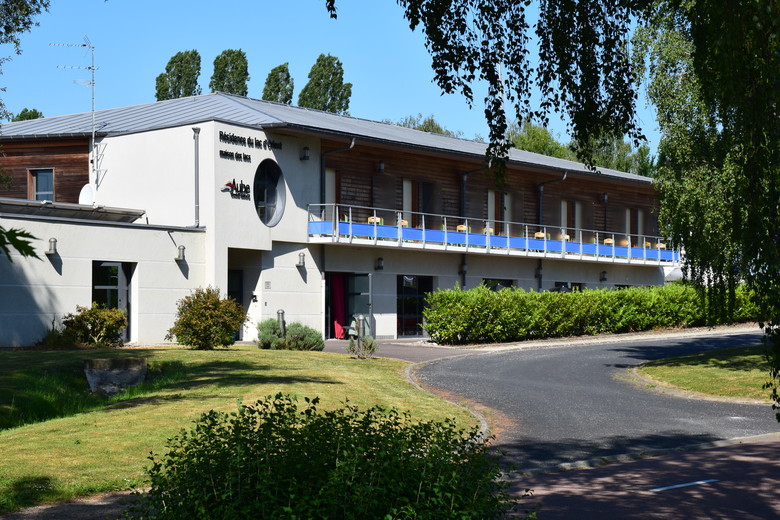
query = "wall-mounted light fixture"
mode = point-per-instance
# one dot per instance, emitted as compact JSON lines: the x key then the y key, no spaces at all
{"x":180,"y":257}
{"x":301,"y":260}
{"x":464,"y":268}
{"x":604,"y":198}
{"x":52,"y":247}
{"x":380,"y":264}
{"x":538,"y":272}
{"x":380,"y":168}
{"x":603,"y":276}
{"x":305,"y":153}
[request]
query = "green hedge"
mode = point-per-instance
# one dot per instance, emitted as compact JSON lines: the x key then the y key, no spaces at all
{"x":481,"y":315}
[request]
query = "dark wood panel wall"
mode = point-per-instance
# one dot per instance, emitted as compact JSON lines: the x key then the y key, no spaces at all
{"x":68,"y":158}
{"x":363,"y":184}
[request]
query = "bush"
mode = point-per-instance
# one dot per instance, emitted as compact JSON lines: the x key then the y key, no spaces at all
{"x":272,"y":460}
{"x":56,"y":338}
{"x":95,"y":326}
{"x":481,"y":315}
{"x":269,"y":335}
{"x":363,"y":350}
{"x":299,"y":336}
{"x":204,"y":320}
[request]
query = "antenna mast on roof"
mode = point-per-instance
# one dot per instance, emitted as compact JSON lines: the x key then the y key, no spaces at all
{"x":88,"y":44}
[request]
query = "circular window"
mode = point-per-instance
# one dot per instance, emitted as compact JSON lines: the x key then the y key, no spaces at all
{"x":269,"y":192}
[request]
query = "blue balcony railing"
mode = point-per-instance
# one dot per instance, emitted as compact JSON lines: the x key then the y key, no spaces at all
{"x":392,"y":228}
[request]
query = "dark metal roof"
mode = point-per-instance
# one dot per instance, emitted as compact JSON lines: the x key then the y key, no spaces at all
{"x":249,"y":112}
{"x":45,"y":208}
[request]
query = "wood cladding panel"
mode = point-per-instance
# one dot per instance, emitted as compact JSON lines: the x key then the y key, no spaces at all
{"x":363,"y":184}
{"x":68,"y":158}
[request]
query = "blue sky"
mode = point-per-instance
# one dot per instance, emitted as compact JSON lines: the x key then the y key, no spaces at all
{"x":134,"y":39}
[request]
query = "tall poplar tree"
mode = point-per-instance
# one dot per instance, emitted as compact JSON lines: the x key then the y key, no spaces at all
{"x":326,"y":89}
{"x":180,"y":78}
{"x":279,"y":85}
{"x":231,"y":73}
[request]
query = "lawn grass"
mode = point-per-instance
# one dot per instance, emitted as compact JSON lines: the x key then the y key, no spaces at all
{"x":104,"y":448}
{"x":735,"y":372}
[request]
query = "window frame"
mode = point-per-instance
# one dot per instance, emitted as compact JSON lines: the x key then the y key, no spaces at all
{"x":32,"y":183}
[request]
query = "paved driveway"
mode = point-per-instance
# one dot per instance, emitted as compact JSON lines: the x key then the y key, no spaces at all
{"x":577,"y":401}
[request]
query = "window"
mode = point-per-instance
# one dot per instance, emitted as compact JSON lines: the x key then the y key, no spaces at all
{"x":635,"y":222}
{"x":42,"y":184}
{"x":269,"y":192}
{"x":410,"y":303}
{"x":571,"y":219}
{"x":496,"y":284}
{"x":498,"y":205}
{"x":417,"y":198}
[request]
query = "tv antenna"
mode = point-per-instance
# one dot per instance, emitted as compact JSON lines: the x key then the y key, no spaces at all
{"x":87,"y":44}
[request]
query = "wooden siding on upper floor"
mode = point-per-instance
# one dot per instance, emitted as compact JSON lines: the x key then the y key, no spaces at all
{"x":68,"y":158}
{"x":363,"y":185}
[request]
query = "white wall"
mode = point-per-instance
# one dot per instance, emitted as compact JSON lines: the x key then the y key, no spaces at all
{"x":36,"y":291}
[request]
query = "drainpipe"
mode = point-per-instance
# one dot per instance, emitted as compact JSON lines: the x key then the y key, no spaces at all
{"x":540,"y":190}
{"x":196,"y":137}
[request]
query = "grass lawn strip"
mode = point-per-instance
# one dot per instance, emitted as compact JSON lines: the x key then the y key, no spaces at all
{"x":736,"y":373}
{"x":106,"y":449}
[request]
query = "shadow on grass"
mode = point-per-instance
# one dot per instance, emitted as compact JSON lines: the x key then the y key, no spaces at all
{"x":28,"y":491}
{"x":34,"y":391}
{"x":656,"y":350}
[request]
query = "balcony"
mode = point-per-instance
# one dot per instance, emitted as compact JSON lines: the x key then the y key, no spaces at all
{"x":364,"y":226}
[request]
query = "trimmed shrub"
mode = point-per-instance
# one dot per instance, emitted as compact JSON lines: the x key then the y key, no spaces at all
{"x":204,"y":320}
{"x":274,"y":460}
{"x":299,"y":336}
{"x":269,"y":335}
{"x":363,"y":350}
{"x":95,"y":326}
{"x":481,"y":315}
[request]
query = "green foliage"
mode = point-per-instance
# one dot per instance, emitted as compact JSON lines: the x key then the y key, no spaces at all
{"x":204,"y":320}
{"x":363,"y":349}
{"x":427,"y":124}
{"x":95,"y":326}
{"x":299,"y":336}
{"x":712,"y":72}
{"x":481,"y":315}
{"x":279,"y":85}
{"x":17,"y":239}
{"x":326,"y":89}
{"x":26,"y":115}
{"x":274,"y":460}
{"x":269,"y":335}
{"x":231,"y":73}
{"x":538,"y":139}
{"x":180,"y":78}
{"x":56,"y":338}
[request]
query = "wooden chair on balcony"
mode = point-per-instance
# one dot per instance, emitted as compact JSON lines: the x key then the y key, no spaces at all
{"x":376,"y":220}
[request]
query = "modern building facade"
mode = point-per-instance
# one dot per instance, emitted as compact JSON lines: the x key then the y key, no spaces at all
{"x":320,"y":215}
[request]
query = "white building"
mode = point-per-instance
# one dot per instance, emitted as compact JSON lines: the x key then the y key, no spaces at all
{"x":323,"y":216}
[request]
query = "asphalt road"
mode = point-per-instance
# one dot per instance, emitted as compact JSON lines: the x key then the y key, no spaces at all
{"x":578,"y":402}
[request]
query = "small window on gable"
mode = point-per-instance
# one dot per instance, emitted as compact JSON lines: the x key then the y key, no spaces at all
{"x":42,"y":184}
